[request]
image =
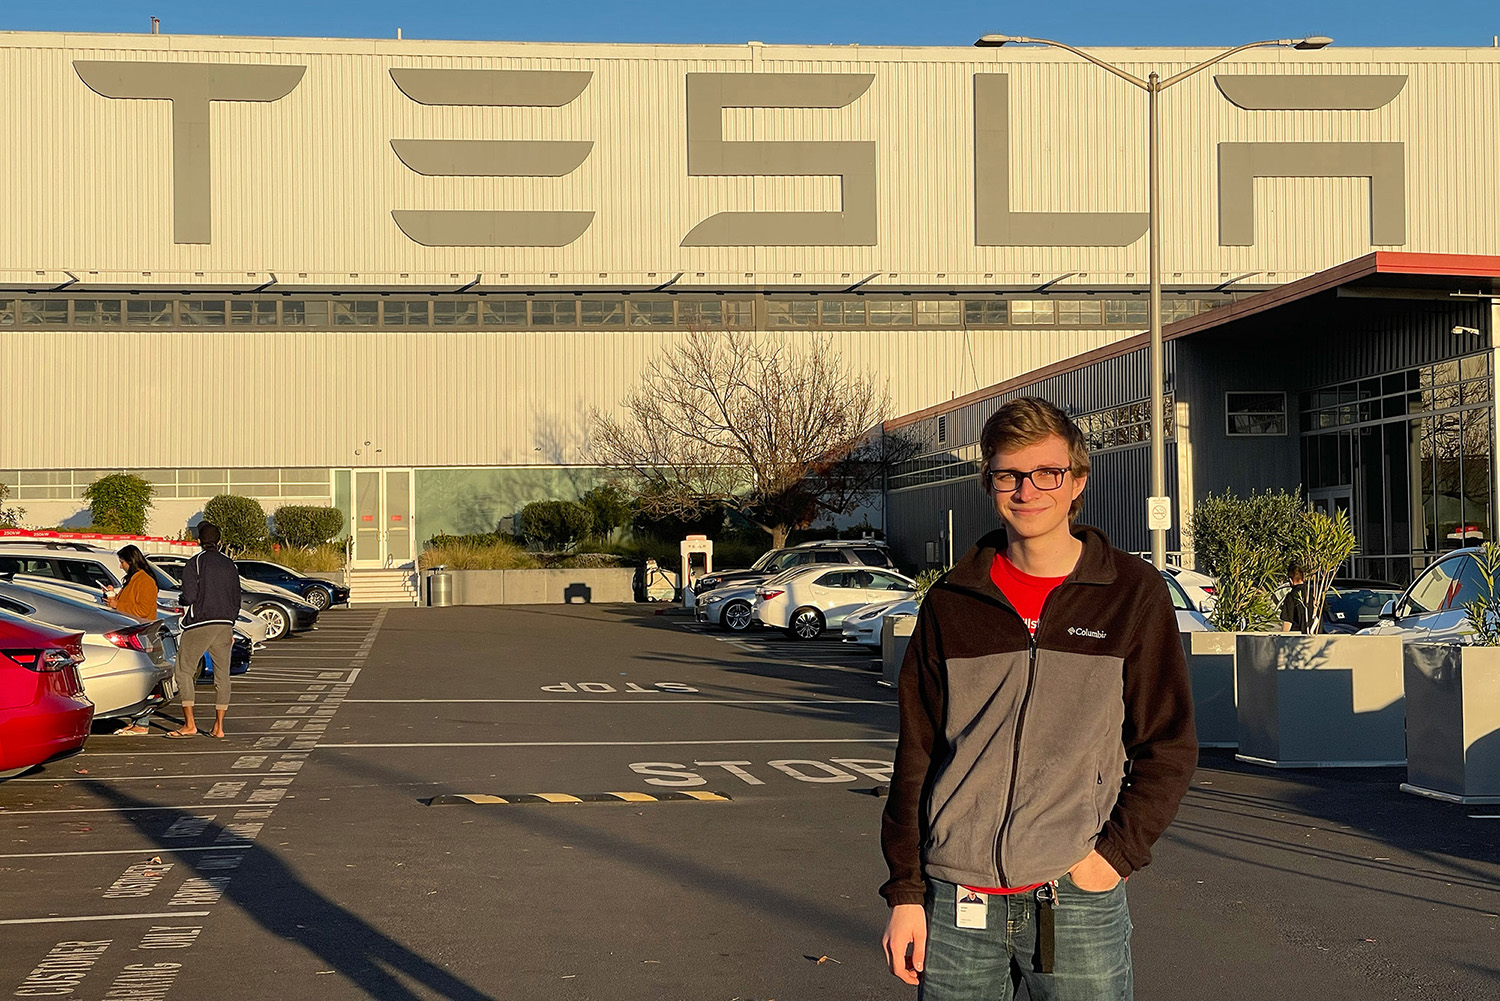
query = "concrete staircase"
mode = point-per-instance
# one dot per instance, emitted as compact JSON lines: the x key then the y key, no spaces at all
{"x":383,"y":587}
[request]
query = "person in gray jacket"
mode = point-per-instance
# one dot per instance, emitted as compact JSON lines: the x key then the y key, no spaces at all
{"x":210,"y":605}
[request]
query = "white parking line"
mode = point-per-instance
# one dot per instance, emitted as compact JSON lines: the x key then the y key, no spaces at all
{"x":627,"y":743}
{"x":156,"y":850}
{"x":104,"y":917}
{"x":154,"y":778}
{"x":636,"y":702}
{"x":104,"y":809}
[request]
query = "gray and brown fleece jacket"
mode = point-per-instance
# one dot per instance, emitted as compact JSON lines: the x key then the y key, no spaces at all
{"x":1019,"y":755}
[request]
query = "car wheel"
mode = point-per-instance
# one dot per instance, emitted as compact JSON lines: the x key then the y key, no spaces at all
{"x":735,"y":617}
{"x":278,"y":622}
{"x":319,"y":597}
{"x":806,"y":624}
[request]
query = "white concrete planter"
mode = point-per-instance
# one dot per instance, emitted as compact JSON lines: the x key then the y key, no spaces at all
{"x":1210,"y":659}
{"x":542,"y":587}
{"x":1453,"y":722}
{"x":1320,"y":701}
{"x":895,"y":635}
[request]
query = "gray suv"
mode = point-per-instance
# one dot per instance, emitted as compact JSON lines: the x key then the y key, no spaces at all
{"x":863,"y":552}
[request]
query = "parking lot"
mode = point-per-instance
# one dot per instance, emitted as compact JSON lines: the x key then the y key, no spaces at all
{"x":391,"y":816}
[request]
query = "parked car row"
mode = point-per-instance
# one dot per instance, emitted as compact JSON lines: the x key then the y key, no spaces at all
{"x":67,"y":659}
{"x":805,"y":600}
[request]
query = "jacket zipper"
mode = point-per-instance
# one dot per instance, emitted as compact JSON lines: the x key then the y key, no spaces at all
{"x":1015,"y":761}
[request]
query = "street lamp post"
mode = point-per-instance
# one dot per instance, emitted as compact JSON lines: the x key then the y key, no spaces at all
{"x":1154,"y":85}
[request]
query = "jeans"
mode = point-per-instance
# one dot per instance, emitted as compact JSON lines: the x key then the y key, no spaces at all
{"x":1091,"y":954}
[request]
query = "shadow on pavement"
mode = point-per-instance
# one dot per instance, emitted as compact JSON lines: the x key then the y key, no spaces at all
{"x":269,"y":892}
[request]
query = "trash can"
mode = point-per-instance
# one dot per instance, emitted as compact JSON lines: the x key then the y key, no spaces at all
{"x":439,"y":587}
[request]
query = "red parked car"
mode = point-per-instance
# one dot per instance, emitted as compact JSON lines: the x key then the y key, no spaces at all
{"x":43,"y":711}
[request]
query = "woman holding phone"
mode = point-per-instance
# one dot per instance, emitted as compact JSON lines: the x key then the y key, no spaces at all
{"x":136,"y":599}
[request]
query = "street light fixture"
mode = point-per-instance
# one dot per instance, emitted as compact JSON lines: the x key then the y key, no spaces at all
{"x":1153,"y":85}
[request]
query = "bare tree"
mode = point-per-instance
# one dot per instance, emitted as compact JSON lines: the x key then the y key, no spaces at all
{"x":735,"y":421}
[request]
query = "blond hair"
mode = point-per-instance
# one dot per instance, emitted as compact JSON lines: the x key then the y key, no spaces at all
{"x":1025,"y":421}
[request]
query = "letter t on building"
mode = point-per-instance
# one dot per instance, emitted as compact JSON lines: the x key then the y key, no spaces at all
{"x":191,"y":87}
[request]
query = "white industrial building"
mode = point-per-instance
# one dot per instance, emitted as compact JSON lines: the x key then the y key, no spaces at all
{"x":397,"y":275}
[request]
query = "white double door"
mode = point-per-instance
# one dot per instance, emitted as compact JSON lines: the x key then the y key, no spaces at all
{"x":383,"y":531}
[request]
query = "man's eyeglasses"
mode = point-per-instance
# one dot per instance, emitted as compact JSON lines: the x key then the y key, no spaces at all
{"x":1009,"y":480}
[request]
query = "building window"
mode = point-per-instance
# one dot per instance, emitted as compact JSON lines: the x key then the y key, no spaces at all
{"x":1173,"y":310}
{"x":1127,"y":312}
{"x":554,"y":313}
{"x":354,"y":313}
{"x":649,"y":314}
{"x":301,"y":313}
{"x":940,"y":312}
{"x":792,"y":314}
{"x":602,"y":312}
{"x":455,"y":313}
{"x":44,"y":311}
{"x":404,"y":313}
{"x":1029,"y":312}
{"x":891,"y":313}
{"x":986,"y":313}
{"x":96,"y":312}
{"x":505,"y":314}
{"x":700,"y":315}
{"x":1249,"y":414}
{"x":201,"y":312}
{"x":1124,"y":425}
{"x":844,"y":313}
{"x":739,"y":314}
{"x":7,"y":312}
{"x":148,"y":312}
{"x":251,"y":312}
{"x":1080,"y":313}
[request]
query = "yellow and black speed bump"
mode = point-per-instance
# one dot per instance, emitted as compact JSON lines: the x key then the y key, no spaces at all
{"x":526,"y":798}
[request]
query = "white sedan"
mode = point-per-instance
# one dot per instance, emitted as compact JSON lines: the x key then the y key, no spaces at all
{"x":819,"y":597}
{"x":863,"y":625}
{"x":729,"y":607}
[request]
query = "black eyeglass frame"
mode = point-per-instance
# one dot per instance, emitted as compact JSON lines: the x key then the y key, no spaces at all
{"x":1022,"y":476}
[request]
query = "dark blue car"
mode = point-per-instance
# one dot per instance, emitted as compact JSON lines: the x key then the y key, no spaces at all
{"x":313,"y":590}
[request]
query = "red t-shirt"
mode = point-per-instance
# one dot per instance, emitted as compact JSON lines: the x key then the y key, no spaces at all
{"x":1028,"y":594}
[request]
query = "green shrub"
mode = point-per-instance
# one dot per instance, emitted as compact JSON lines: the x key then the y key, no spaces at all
{"x":1270,"y":521}
{"x":484,"y":539}
{"x":241,"y":521}
{"x":457,"y":554}
{"x":555,"y":524}
{"x":118,"y":503}
{"x":304,"y":527}
{"x":609,"y":509}
{"x":326,"y":558}
{"x":10,"y":517}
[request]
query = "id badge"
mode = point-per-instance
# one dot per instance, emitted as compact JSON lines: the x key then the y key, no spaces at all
{"x":973,"y":909}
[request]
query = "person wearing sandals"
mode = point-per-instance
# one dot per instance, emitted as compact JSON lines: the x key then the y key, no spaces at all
{"x":210,"y":605}
{"x":136,"y":599}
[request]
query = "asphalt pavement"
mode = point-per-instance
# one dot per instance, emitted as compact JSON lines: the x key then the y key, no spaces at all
{"x":391,"y":817}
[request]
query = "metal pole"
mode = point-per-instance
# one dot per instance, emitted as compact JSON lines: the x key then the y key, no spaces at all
{"x":1158,"y":366}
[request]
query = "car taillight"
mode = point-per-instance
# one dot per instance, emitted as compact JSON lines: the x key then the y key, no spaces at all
{"x":1207,"y":589}
{"x":767,"y":595}
{"x":46,"y":661}
{"x":130,"y":640}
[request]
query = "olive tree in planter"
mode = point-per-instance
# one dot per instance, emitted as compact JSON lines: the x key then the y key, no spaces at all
{"x":1309,"y":700}
{"x":1453,"y":703}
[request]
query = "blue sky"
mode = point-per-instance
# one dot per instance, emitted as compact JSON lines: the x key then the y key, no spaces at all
{"x":873,"y":22}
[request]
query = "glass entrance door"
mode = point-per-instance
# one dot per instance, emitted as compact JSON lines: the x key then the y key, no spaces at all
{"x":382,"y":505}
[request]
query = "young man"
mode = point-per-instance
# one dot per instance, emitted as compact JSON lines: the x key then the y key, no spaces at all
{"x":1046,"y":741}
{"x":1294,"y":606}
{"x":210,"y":605}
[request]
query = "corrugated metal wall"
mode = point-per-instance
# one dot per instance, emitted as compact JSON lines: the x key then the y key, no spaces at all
{"x":428,"y":399}
{"x":306,"y":185}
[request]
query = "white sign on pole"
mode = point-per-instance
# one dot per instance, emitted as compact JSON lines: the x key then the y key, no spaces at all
{"x":1159,"y":513}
